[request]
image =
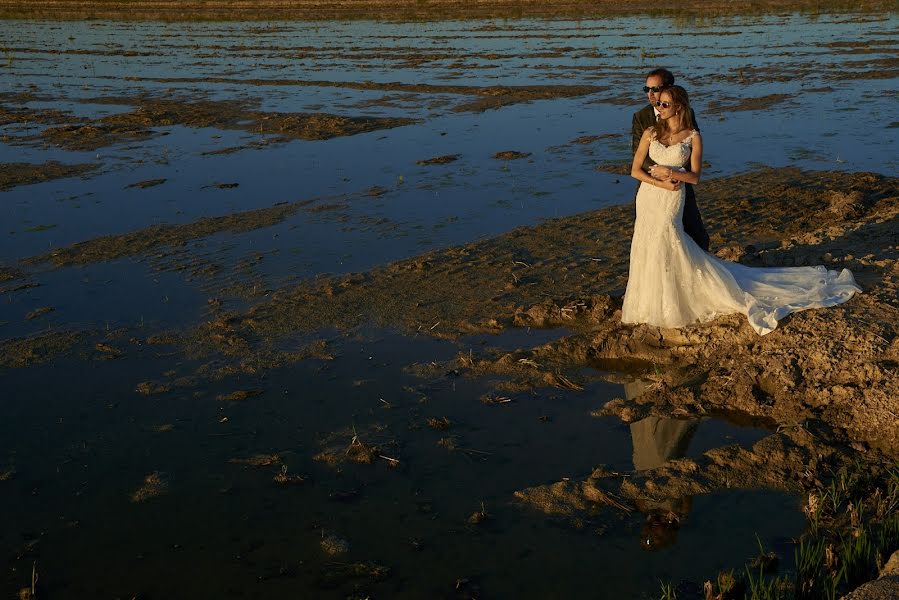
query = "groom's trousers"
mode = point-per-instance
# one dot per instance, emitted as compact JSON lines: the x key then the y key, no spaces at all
{"x":693,"y":220}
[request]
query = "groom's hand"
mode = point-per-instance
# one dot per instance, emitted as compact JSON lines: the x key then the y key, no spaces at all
{"x":669,"y":184}
{"x":660,"y":173}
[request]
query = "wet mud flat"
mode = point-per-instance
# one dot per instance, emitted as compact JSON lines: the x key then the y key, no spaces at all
{"x":532,"y":326}
{"x":287,"y":85}
{"x":15,"y":174}
{"x":402,"y":10}
{"x":570,"y":272}
{"x":201,"y":379}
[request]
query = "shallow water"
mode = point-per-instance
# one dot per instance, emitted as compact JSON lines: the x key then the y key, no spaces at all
{"x":80,"y":440}
{"x":228,"y":529}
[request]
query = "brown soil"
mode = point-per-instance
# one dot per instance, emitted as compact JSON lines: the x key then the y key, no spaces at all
{"x":238,"y":396}
{"x":74,"y":133}
{"x":621,"y":167}
{"x":568,"y":272}
{"x":438,"y":160}
{"x":794,"y":461}
{"x":89,"y":136}
{"x":154,"y":485}
{"x":15,"y":174}
{"x":726,"y":105}
{"x":511,"y":155}
{"x":142,"y":241}
{"x":258,"y":460}
{"x":79,"y":134}
{"x":589,"y":139}
{"x":39,"y":312}
{"x":780,"y":461}
{"x":428,"y":10}
{"x":486,"y":97}
{"x":361,"y":446}
{"x":13,"y":112}
{"x":10,"y":274}
{"x":147,"y":183}
{"x":750,"y":75}
{"x":38,"y":349}
{"x":826,"y":378}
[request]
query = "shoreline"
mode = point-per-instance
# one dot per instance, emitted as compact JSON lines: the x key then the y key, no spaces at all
{"x":569,"y":272}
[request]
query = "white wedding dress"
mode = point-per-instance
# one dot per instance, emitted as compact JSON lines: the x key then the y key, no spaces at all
{"x":673,"y":282}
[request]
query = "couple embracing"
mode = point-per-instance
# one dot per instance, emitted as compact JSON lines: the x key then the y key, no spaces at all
{"x":673,"y":281}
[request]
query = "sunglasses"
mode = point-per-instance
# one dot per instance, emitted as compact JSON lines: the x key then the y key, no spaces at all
{"x":654,"y":89}
{"x":661,"y":104}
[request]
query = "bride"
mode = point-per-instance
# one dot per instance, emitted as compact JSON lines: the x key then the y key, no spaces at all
{"x":672,"y":282}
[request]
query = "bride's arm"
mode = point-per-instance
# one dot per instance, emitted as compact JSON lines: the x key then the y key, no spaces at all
{"x":692,"y":176}
{"x":637,"y":171}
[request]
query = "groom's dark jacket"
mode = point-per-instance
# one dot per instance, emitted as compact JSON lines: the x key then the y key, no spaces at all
{"x":643,"y":120}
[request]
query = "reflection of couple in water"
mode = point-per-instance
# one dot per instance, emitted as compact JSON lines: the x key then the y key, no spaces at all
{"x":673,"y":280}
{"x":656,"y":441}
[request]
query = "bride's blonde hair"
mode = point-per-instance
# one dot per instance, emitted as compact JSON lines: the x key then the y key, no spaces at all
{"x":681,"y":100}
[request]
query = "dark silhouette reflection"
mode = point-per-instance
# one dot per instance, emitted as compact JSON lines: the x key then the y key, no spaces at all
{"x":656,"y":441}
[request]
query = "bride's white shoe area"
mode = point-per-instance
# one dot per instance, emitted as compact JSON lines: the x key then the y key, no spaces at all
{"x":673,"y":283}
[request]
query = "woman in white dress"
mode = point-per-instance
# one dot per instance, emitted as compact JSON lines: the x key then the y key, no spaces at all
{"x":672,"y":282}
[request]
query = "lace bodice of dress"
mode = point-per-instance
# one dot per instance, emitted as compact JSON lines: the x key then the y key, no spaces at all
{"x":674,"y":156}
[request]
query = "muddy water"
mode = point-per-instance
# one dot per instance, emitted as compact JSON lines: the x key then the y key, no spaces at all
{"x":218,"y":527}
{"x":116,"y":494}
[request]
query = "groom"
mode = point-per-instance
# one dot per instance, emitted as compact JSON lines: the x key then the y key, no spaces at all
{"x":656,"y":81}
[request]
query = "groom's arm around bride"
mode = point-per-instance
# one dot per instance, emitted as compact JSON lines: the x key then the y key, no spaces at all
{"x":656,"y":81}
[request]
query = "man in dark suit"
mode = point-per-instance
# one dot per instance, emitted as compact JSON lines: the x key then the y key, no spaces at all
{"x":656,"y":81}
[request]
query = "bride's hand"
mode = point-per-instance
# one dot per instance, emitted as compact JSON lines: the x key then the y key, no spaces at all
{"x":660,"y":173}
{"x":669,"y":184}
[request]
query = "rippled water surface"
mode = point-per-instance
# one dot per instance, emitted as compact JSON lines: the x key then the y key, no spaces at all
{"x":77,"y":442}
